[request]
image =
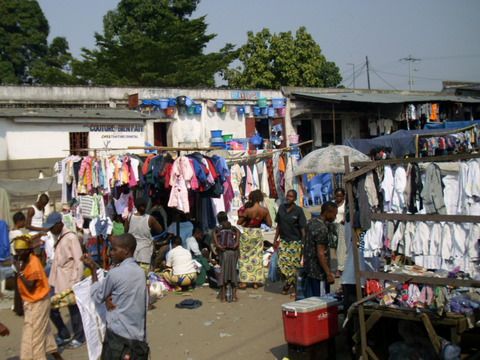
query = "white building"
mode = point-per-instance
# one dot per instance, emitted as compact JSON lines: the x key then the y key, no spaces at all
{"x":40,"y":125}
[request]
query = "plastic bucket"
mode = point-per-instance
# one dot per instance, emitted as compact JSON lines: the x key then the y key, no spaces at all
{"x":181,"y":100}
{"x":271,"y":112}
{"x":163,"y":104}
{"x":262,"y":102}
{"x":224,"y":109}
{"x":219,"y":104}
{"x":293,"y":139}
{"x":281,"y":112}
{"x":172,"y":102}
{"x":227,"y":137}
{"x":188,"y":102}
{"x":256,"y":140}
{"x":264,"y":111}
{"x":216,"y":133}
{"x":198,"y":109}
{"x":240,"y":110}
{"x":170,"y":111}
{"x":257,"y":111}
{"x":191,"y":110}
{"x":278,"y":103}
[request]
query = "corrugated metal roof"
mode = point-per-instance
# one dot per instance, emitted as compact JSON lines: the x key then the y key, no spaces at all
{"x":74,"y":113}
{"x":386,"y":98}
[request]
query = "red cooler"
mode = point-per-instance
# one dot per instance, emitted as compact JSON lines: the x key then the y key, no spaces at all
{"x":311,"y":320}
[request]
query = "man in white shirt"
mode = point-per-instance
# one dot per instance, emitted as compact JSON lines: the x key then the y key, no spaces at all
{"x":181,"y":272}
{"x":193,"y":241}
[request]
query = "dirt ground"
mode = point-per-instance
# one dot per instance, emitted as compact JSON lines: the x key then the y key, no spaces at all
{"x":249,"y":329}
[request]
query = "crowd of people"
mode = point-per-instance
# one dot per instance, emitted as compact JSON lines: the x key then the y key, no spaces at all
{"x":50,"y":258}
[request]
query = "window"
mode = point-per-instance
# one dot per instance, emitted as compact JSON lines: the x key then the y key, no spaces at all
{"x":78,"y":140}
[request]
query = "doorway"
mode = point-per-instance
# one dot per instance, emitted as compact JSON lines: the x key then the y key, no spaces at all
{"x":160,"y":130}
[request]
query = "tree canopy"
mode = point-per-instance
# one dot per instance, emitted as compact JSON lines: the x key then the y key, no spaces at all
{"x":153,"y":43}
{"x":274,"y":60}
{"x":25,"y":55}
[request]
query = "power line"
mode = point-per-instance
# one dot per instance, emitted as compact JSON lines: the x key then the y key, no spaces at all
{"x":465,"y":56}
{"x":381,"y":78}
{"x":406,"y":76}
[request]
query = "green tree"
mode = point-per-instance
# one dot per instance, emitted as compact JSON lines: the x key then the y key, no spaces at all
{"x":153,"y":43}
{"x":23,"y":39}
{"x":55,"y":67}
{"x":275,"y":60}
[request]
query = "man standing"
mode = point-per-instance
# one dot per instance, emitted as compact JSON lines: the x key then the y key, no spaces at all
{"x":67,"y":269}
{"x":36,"y":214}
{"x":289,"y":238}
{"x":316,"y":252}
{"x":124,"y":292}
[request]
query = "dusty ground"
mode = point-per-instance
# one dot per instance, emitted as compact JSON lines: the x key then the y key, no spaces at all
{"x":249,"y":329}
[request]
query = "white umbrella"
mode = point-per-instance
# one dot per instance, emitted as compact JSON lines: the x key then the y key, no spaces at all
{"x":329,"y":160}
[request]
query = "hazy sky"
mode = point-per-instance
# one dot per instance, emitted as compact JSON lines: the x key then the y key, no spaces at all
{"x":443,"y":33}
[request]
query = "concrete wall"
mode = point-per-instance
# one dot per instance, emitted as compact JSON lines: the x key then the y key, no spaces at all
{"x":23,"y":141}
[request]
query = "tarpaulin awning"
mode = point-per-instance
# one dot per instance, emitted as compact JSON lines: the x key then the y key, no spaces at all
{"x":402,"y":142}
{"x":451,"y":124}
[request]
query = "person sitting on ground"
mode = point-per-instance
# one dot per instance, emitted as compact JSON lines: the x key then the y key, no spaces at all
{"x":193,"y":246}
{"x":140,"y":225}
{"x":181,"y":272}
{"x":226,"y":239}
{"x":32,"y":282}
{"x":124,"y":293}
{"x":182,"y":227}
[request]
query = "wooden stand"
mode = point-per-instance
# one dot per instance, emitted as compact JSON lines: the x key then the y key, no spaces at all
{"x":458,"y":323}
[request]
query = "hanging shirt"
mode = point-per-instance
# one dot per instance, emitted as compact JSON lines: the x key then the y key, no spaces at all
{"x":372,"y":126}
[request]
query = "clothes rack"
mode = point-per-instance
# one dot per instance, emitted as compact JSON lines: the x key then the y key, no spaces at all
{"x":458,"y":325}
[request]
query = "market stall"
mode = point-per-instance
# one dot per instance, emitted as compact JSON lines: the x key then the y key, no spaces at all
{"x":421,"y":248}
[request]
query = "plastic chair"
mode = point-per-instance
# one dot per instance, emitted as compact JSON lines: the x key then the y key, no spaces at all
{"x":321,"y":188}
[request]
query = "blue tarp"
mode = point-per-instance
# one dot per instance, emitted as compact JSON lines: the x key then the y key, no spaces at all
{"x":451,"y":124}
{"x":402,"y":142}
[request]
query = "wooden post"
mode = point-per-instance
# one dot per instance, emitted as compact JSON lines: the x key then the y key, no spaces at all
{"x":356,"y":261}
{"x":333,"y":119}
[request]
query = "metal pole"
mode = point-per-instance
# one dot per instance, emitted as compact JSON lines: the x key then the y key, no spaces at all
{"x":368,"y":72}
{"x":356,"y":261}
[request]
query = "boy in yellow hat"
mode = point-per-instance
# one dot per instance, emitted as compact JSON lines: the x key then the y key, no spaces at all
{"x":32,"y":282}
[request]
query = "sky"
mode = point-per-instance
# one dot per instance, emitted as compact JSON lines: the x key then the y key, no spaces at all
{"x":443,"y":34}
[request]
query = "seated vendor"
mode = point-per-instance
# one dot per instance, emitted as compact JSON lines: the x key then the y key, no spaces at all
{"x":181,"y":272}
{"x":193,"y":245}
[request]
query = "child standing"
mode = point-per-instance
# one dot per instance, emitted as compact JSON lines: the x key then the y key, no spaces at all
{"x":226,"y":239}
{"x":32,"y":282}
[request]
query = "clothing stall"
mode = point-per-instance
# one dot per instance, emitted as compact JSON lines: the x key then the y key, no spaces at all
{"x":419,"y":243}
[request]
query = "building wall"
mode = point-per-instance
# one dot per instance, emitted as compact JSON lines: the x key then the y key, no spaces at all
{"x":23,"y":141}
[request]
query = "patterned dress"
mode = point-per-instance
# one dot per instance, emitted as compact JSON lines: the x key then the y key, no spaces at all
{"x":251,"y":256}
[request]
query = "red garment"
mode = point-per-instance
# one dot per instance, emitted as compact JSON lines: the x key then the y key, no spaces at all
{"x":228,"y":194}
{"x":212,"y":169}
{"x":167,"y":173}
{"x":146,"y":164}
{"x":252,"y":223}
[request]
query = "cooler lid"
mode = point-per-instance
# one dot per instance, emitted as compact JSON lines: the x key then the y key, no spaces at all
{"x":310,"y":304}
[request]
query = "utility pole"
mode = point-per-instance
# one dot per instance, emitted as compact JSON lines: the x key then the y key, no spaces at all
{"x":353,"y":65}
{"x":368,"y":72}
{"x":410,"y":59}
